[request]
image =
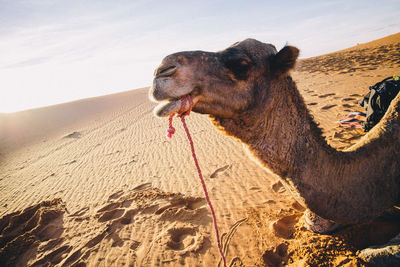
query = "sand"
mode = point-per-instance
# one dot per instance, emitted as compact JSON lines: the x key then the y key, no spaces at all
{"x":96,"y":182}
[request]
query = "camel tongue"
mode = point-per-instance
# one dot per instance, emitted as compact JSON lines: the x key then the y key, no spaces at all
{"x":165,"y":109}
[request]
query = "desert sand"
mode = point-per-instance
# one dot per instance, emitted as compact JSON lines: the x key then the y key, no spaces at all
{"x":97,"y":183}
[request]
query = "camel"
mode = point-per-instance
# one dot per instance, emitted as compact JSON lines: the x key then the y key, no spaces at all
{"x":248,"y":93}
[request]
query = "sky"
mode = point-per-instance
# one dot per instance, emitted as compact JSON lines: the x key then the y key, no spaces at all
{"x":54,"y":51}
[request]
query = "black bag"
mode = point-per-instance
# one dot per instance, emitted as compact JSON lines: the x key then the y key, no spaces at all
{"x":378,"y":99}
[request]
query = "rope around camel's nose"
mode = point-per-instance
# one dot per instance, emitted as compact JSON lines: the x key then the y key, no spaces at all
{"x":171,"y":131}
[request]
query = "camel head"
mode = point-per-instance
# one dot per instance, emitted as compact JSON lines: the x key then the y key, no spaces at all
{"x":223,"y":84}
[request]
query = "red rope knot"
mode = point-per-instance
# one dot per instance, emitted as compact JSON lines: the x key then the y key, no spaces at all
{"x":171,"y":129}
{"x":181,"y":114}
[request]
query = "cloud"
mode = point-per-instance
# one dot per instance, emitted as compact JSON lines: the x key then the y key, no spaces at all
{"x":28,"y":62}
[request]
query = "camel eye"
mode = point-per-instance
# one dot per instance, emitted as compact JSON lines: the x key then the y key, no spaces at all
{"x":239,"y":66}
{"x":244,"y":62}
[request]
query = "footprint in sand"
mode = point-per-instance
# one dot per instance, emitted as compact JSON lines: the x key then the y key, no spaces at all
{"x":30,"y":230}
{"x":142,"y":187}
{"x":53,"y":257}
{"x":255,"y":188}
{"x":184,"y":239}
{"x":220,"y":170}
{"x":115,"y":195}
{"x":75,"y":259}
{"x":347,"y":106}
{"x":111,"y":214}
{"x":278,"y":187}
{"x":348,"y":99}
{"x":180,"y":219}
{"x":112,"y":153}
{"x":326,"y":95}
{"x":297,"y":206}
{"x":284,"y":227}
{"x":166,"y":207}
{"x":275,"y":257}
{"x":312,"y":104}
{"x":190,"y":203}
{"x":69,"y":163}
{"x":73,"y":135}
{"x":80,"y":212}
{"x":185,"y":210}
{"x":328,"y":106}
{"x":269,"y":202}
{"x":51,"y":175}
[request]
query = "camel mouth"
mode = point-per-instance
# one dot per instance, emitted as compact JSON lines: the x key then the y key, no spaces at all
{"x":168,"y":107}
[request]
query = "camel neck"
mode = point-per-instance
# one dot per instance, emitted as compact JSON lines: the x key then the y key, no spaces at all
{"x":282,"y":135}
{"x":291,"y":143}
{"x":279,"y":129}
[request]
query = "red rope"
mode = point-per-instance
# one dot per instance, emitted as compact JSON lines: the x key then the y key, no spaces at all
{"x":171,"y":131}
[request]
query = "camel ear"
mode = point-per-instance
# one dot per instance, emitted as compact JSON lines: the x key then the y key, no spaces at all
{"x":284,"y":60}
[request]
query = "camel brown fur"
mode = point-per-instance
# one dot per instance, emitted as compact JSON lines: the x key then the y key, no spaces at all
{"x":248,"y":93}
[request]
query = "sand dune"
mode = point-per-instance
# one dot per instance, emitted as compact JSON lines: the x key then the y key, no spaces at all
{"x":96,"y":182}
{"x":27,"y":127}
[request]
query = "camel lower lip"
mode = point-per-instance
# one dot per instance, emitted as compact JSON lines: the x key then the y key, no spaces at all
{"x":167,"y":108}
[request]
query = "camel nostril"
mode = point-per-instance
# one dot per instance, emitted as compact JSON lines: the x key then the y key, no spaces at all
{"x":165,"y":71}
